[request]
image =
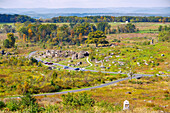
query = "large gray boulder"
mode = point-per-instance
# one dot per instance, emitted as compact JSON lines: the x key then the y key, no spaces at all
{"x":2,"y":52}
{"x":75,"y":56}
{"x":8,"y":53}
{"x":83,"y":54}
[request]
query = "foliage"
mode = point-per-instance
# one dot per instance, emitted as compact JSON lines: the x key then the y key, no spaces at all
{"x":2,"y":104}
{"x":27,"y":100}
{"x":128,"y":28}
{"x":4,"y":18}
{"x":27,"y":103}
{"x":10,"y":42}
{"x":13,"y":105}
{"x":164,"y":34}
{"x":77,"y":100}
{"x":7,"y":29}
{"x":6,"y":43}
{"x":94,"y":19}
{"x":103,"y":26}
{"x":97,"y":38}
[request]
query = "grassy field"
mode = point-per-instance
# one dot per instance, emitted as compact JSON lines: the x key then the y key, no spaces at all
{"x":1,"y":24}
{"x":142,"y":25}
{"x":146,"y":95}
{"x":150,"y":94}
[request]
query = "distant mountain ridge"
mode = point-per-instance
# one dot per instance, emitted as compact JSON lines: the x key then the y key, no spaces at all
{"x":121,"y":11}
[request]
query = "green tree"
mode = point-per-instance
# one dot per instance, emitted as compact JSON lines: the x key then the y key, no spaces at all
{"x":164,"y":36}
{"x":6,"y":43}
{"x":96,"y":37}
{"x":160,"y":28}
{"x":11,"y":39}
{"x":102,"y":26}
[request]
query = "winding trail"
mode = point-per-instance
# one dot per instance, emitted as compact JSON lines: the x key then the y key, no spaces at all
{"x":94,"y":87}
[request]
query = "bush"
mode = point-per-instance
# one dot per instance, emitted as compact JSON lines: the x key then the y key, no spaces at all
{"x":27,"y":100}
{"x":150,"y":105}
{"x":6,"y":43}
{"x":2,"y":104}
{"x":77,"y":100}
{"x":13,"y":105}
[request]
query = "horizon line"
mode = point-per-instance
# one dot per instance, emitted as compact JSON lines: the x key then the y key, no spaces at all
{"x":83,"y":7}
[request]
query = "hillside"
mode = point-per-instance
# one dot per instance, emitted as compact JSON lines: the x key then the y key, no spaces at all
{"x":81,"y":12}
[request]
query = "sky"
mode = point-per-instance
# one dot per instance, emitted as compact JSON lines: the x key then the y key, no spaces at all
{"x":82,"y":3}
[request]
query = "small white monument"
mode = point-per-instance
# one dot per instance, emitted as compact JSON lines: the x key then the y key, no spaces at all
{"x":125,"y":105}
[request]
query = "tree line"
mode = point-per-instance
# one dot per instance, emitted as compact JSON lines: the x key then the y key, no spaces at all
{"x":95,"y":19}
{"x":79,"y":33}
{"x":71,"y":34}
{"x":7,"y":18}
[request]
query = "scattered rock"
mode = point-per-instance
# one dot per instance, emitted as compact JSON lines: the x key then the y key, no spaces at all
{"x":128,"y":92}
{"x":75,"y":56}
{"x":70,"y":61}
{"x":162,"y":55}
{"x":2,"y":52}
{"x":150,"y":101}
{"x":96,"y":65}
{"x":134,"y":98}
{"x":8,"y":53}
{"x":160,"y":72}
{"x":120,"y":71}
{"x":112,"y":54}
{"x":49,"y":68}
{"x":108,"y":68}
{"x":102,"y":67}
{"x":79,"y":63}
{"x":166,"y":63}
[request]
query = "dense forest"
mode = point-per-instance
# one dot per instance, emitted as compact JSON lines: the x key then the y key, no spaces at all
{"x":94,"y":19}
{"x":70,"y":34}
{"x":5,"y":18}
{"x":74,"y":19}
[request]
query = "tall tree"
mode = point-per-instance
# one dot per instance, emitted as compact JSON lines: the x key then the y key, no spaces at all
{"x":11,"y":39}
{"x":97,"y":37}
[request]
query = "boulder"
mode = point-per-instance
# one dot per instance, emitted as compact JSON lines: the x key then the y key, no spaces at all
{"x":128,"y":92}
{"x":70,"y":61}
{"x":49,"y":68}
{"x":162,"y":55}
{"x":120,"y":71}
{"x":112,"y":54}
{"x":79,"y":63}
{"x":75,"y":56}
{"x":8,"y":53}
{"x":96,"y":65}
{"x":2,"y":52}
{"x":82,"y":54}
{"x":102,"y":67}
{"x":48,"y":51}
{"x":108,"y":68}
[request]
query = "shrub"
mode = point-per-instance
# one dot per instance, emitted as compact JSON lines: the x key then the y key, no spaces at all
{"x":77,"y":100}
{"x":150,"y":105}
{"x":2,"y":104}
{"x":13,"y":105}
{"x":156,"y":108}
{"x":6,"y":43}
{"x":27,"y":100}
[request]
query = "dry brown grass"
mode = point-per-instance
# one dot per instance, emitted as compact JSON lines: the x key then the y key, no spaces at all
{"x":131,"y":35}
{"x":144,"y":98}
